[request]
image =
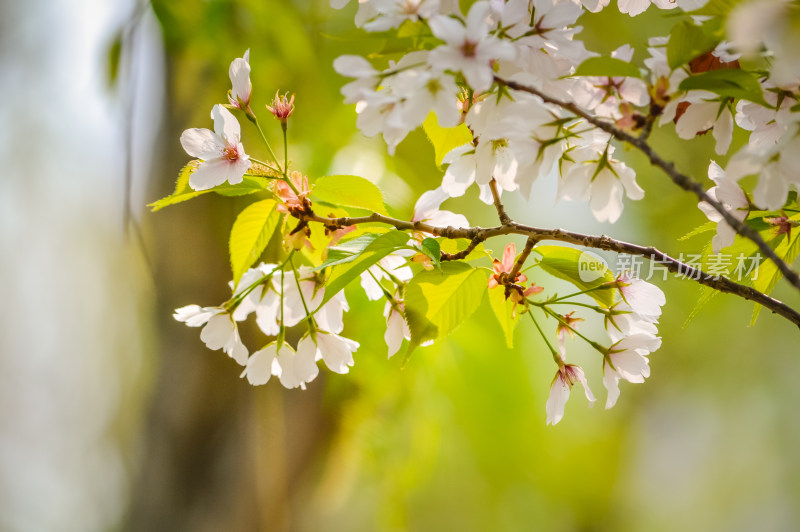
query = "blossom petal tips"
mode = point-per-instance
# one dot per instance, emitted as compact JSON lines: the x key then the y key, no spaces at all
{"x":241,"y":87}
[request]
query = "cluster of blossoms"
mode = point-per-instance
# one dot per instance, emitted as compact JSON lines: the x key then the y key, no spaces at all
{"x":491,"y":73}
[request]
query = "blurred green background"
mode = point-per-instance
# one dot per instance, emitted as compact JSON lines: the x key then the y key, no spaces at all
{"x":115,"y":417}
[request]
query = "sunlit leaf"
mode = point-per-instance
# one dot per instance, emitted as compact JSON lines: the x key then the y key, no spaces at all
{"x":607,"y":66}
{"x":349,"y":191}
{"x":445,"y":139}
{"x":344,"y":272}
{"x":729,"y":83}
{"x":250,"y":234}
{"x":581,"y":268}
{"x":504,"y":311}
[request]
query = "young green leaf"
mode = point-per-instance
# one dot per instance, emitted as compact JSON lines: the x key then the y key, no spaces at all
{"x":504,"y":311}
{"x":445,"y":139}
{"x":349,"y":191}
{"x":728,"y":83}
{"x":347,"y":271}
{"x":687,"y":41}
{"x":581,"y":268}
{"x":607,"y":66}
{"x":452,"y":293}
{"x":430,"y":247}
{"x":251,"y":233}
{"x":768,"y":274}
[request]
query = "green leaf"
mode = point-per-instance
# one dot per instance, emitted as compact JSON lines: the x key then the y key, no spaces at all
{"x":348,"y":251}
{"x":183,"y":192}
{"x":430,"y":247}
{"x":716,"y":8}
{"x":728,"y":83}
{"x":708,"y":226}
{"x":251,"y":232}
{"x":445,"y":139}
{"x":687,"y":41}
{"x":581,"y":268}
{"x":768,"y":273}
{"x":504,"y":311}
{"x":114,"y":56}
{"x":346,"y":271}
{"x":349,"y":191}
{"x":607,"y":66}
{"x":706,"y":293}
{"x":445,"y":298}
{"x":457,"y":245}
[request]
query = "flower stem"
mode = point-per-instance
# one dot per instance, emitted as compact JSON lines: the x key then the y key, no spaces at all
{"x":556,"y":355}
{"x":254,"y":120}
{"x":561,"y":320}
{"x":312,"y":328}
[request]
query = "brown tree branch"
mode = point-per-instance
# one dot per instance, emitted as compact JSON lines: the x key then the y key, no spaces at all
{"x":680,"y":179}
{"x":505,"y":219}
{"x":480,"y":234}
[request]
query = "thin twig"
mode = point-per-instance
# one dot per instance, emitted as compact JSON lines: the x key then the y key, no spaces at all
{"x":505,"y":219}
{"x":680,"y":179}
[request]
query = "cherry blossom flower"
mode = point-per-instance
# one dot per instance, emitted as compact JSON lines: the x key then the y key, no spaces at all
{"x":328,"y":317}
{"x":704,"y":112}
{"x":602,"y":181}
{"x":645,"y":299}
{"x":621,"y":321}
{"x":392,"y":13}
{"x":336,"y":351}
{"x":219,"y":330}
{"x":637,"y":7}
{"x":469,"y":48}
{"x":566,"y":376}
{"x":263,"y":299}
{"x":282,"y":107}
{"x":221,"y":151}
{"x":367,"y":77}
{"x":427,"y":210}
{"x":296,"y":368}
{"x":604,"y":95}
{"x":259,"y":366}
{"x":242,"y":89}
{"x":393,"y":264}
{"x":627,"y":359}
{"x":732,"y":198}
{"x":778,"y":169}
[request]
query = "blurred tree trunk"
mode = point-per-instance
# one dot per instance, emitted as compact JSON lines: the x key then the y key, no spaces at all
{"x":216,"y":454}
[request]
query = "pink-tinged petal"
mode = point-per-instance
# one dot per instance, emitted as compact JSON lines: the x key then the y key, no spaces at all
{"x":578,"y":374}
{"x":209,"y":174}
{"x":509,"y":255}
{"x":557,"y":400}
{"x":202,"y":143}
{"x":259,"y":366}
{"x":226,"y":125}
{"x":239,"y":72}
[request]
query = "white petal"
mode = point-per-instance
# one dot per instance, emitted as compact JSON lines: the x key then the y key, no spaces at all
{"x":559,"y":393}
{"x":226,"y":125}
{"x":259,"y":366}
{"x":202,"y":143}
